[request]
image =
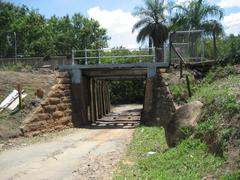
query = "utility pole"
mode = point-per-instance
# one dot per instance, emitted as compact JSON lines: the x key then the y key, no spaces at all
{"x":15,"y":45}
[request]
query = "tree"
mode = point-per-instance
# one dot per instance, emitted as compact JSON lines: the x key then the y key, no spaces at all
{"x":152,"y":24}
{"x":197,"y":14}
{"x":214,"y":29}
{"x":38,"y":36}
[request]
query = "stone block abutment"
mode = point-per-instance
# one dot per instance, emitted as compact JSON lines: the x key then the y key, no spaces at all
{"x":82,"y":96}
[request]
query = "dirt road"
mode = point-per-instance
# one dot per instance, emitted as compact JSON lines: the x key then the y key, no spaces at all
{"x":82,"y":154}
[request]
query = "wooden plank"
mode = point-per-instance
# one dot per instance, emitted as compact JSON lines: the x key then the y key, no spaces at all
{"x":15,"y":103}
{"x":9,"y":99}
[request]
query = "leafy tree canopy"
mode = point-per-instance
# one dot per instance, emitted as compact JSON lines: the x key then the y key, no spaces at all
{"x":38,"y":36}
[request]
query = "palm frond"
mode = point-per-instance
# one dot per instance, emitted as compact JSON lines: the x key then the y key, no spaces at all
{"x":141,"y":23}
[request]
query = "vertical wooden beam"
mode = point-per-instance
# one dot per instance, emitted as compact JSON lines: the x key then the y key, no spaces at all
{"x":103,"y":98}
{"x":100,"y":99}
{"x":109,"y":99}
{"x":106,"y":96}
{"x":92,"y":119}
{"x":95,"y":107}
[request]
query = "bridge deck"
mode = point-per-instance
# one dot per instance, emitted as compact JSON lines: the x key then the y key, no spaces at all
{"x":116,"y":66}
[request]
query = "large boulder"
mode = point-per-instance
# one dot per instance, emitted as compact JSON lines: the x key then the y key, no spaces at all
{"x":183,"y":122}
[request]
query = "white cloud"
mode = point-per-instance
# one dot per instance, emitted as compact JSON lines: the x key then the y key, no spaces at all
{"x":229,"y":3}
{"x":232,"y":23}
{"x":119,"y":25}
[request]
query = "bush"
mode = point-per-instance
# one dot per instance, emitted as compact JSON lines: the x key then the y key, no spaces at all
{"x":124,"y":92}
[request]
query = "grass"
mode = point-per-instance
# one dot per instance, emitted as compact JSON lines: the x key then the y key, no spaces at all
{"x":188,"y":160}
{"x":19,"y":67}
{"x":217,"y":131}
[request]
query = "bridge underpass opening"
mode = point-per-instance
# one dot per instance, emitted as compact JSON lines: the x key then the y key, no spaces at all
{"x":116,"y":102}
{"x":126,"y":101}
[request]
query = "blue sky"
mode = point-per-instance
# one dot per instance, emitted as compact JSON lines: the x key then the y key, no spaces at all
{"x":116,"y":17}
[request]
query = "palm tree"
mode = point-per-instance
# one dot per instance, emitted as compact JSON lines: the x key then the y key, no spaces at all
{"x":214,"y":29}
{"x":152,"y":24}
{"x":197,"y":14}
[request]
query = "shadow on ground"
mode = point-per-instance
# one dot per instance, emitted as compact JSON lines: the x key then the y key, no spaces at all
{"x":121,"y":117}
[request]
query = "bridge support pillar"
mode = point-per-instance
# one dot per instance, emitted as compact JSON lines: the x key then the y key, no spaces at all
{"x":80,"y":89}
{"x":158,"y":107}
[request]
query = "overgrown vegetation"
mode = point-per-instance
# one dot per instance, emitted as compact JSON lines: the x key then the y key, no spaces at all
{"x":218,"y":131}
{"x":219,"y":124}
{"x":188,"y":160}
{"x":126,"y":92}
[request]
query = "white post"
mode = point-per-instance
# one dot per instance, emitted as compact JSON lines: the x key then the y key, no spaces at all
{"x":112,"y":58}
{"x":140,"y":56}
{"x":85,"y":52}
{"x":73,"y":61}
{"x":15,"y":45}
{"x":99,"y":58}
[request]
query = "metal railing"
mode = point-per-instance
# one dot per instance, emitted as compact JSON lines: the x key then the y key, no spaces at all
{"x":115,"y":56}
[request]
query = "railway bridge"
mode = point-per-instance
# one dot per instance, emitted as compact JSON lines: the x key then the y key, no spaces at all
{"x":90,"y":90}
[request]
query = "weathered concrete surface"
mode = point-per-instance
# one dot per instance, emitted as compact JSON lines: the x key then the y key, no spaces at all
{"x":158,"y":106}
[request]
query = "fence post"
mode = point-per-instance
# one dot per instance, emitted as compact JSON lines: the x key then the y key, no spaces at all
{"x":140,"y":56}
{"x":188,"y":87}
{"x":154,"y":54}
{"x":19,"y":96}
{"x":85,"y":54}
{"x":112,"y":57}
{"x":181,"y":69}
{"x":73,"y":61}
{"x":170,"y":48}
{"x":99,"y":59}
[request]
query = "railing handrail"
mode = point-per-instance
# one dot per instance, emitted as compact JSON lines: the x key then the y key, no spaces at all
{"x":112,"y":49}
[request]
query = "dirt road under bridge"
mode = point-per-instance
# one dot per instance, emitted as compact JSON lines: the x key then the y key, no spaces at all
{"x":89,"y":153}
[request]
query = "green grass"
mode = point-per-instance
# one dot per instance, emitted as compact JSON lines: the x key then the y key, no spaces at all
{"x":189,"y":160}
{"x":231,"y":176}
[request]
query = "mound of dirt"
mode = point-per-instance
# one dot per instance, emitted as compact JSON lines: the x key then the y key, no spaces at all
{"x":30,"y":82}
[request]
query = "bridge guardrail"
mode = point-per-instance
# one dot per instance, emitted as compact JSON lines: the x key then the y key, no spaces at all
{"x":116,"y":56}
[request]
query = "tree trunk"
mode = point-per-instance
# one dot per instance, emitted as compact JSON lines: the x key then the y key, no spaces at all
{"x":159,"y":57}
{"x":150,"y":45}
{"x":214,"y":45}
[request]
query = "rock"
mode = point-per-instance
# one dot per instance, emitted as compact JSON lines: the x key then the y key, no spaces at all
{"x":62,"y":75}
{"x":50,"y":108}
{"x":56,"y":93}
{"x":54,"y":101}
{"x":63,"y":107}
{"x":64,"y":81}
{"x":39,"y":93}
{"x":43,"y":116}
{"x":183,"y":122}
{"x":58,"y":114}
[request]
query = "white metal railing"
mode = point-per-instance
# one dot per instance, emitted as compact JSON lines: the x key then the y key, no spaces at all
{"x":115,"y":56}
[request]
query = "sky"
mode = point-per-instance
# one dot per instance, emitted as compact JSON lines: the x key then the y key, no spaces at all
{"x":116,"y":15}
